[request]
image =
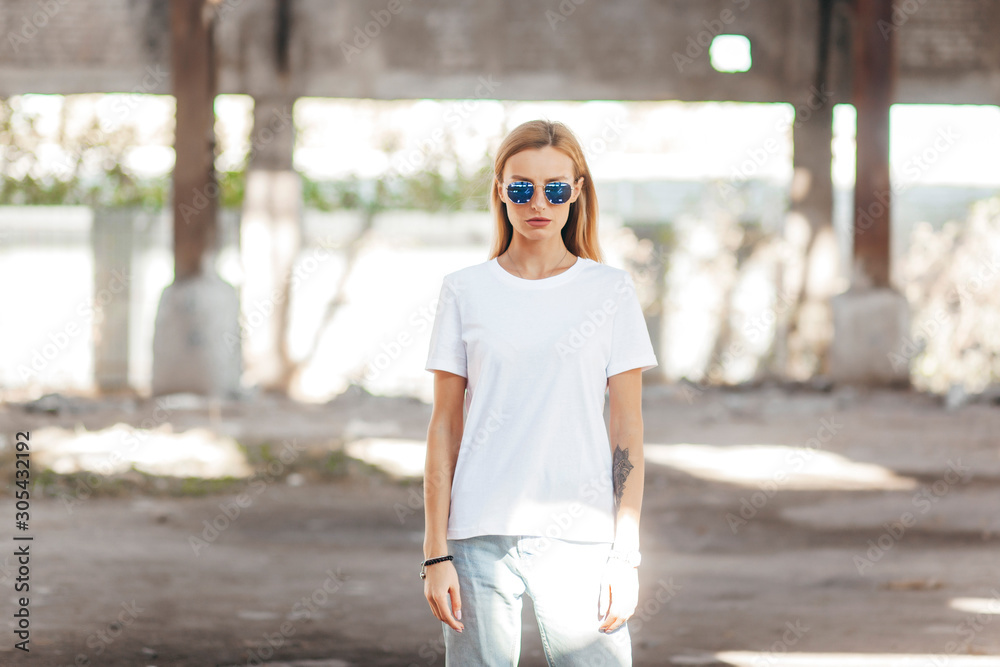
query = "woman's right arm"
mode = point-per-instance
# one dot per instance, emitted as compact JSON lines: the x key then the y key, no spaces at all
{"x":444,"y":437}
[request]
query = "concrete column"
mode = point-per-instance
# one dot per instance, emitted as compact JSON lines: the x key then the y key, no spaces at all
{"x":195,"y":191}
{"x":871,"y":319}
{"x":196,"y":336}
{"x":649,"y":272}
{"x":270,"y":240}
{"x":810,"y":277}
{"x":112,"y":246}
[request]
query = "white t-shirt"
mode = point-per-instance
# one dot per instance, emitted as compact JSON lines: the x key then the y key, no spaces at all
{"x":535,"y":457}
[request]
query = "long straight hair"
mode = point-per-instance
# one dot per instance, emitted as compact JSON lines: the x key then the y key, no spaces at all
{"x":580,"y":231}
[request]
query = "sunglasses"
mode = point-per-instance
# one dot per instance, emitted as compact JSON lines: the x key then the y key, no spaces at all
{"x":520,"y":192}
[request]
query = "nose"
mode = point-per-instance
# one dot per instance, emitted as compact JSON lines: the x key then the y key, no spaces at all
{"x":538,"y":200}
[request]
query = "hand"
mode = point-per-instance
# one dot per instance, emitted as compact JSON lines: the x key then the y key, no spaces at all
{"x":441,"y":591}
{"x":619,"y":594}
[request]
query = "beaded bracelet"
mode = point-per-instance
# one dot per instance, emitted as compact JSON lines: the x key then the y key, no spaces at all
{"x":431,"y":561}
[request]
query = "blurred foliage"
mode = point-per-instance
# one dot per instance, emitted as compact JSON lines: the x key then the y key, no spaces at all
{"x":951,"y":278}
{"x":26,"y":180}
{"x":427,"y":190}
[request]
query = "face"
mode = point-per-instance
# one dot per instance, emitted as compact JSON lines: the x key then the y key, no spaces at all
{"x":538,"y":218}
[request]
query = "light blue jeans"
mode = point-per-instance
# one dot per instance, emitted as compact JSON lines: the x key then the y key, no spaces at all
{"x":563,"y":578}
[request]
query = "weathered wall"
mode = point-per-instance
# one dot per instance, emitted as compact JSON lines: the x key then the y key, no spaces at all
{"x":529,"y":49}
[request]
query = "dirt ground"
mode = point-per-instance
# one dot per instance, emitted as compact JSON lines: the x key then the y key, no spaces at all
{"x":320,"y":566}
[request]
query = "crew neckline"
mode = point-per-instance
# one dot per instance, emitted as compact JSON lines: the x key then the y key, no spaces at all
{"x":527,"y":283}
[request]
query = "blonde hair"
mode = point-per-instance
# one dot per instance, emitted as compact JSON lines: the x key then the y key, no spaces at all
{"x":580,"y":231}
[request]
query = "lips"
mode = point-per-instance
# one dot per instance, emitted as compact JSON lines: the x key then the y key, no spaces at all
{"x":538,"y":222}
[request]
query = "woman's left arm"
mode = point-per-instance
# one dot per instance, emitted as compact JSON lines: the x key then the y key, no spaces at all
{"x":620,"y":585}
{"x":627,"y":461}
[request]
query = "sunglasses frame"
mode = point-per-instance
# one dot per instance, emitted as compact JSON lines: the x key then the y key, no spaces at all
{"x":530,"y":188}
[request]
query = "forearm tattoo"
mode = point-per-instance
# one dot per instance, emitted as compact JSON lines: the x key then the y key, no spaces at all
{"x":620,"y":468}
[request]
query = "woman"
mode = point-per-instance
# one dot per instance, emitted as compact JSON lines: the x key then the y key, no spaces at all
{"x":527,"y":493}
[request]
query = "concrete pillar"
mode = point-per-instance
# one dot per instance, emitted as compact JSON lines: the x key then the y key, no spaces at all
{"x":193,"y":76}
{"x":649,"y":272}
{"x":810,"y":276}
{"x":196,"y":337}
{"x":270,"y":240}
{"x":112,"y":246}
{"x":871,"y":319}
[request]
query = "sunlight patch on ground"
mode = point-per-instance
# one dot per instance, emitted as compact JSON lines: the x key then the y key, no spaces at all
{"x":305,"y":663}
{"x":755,"y":659}
{"x":197,"y":452}
{"x":396,"y":456}
{"x":786,"y":467}
{"x":978,"y":605}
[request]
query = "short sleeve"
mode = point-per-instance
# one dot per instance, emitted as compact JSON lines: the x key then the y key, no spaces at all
{"x":631,"y":346}
{"x":447,"y":348}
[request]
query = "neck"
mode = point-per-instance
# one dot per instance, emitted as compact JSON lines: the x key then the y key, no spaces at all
{"x":537,"y":257}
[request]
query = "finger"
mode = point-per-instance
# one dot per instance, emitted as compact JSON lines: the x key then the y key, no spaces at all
{"x":444,"y":603}
{"x":619,"y":614}
{"x":611,"y":615}
{"x":612,"y":623}
{"x":625,"y":605}
{"x":434,"y":607}
{"x":444,"y":611}
{"x":604,"y":600}
{"x":456,"y":607}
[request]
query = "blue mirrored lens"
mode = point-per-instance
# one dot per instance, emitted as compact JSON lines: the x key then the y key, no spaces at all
{"x":558,"y":193}
{"x":521,"y":192}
